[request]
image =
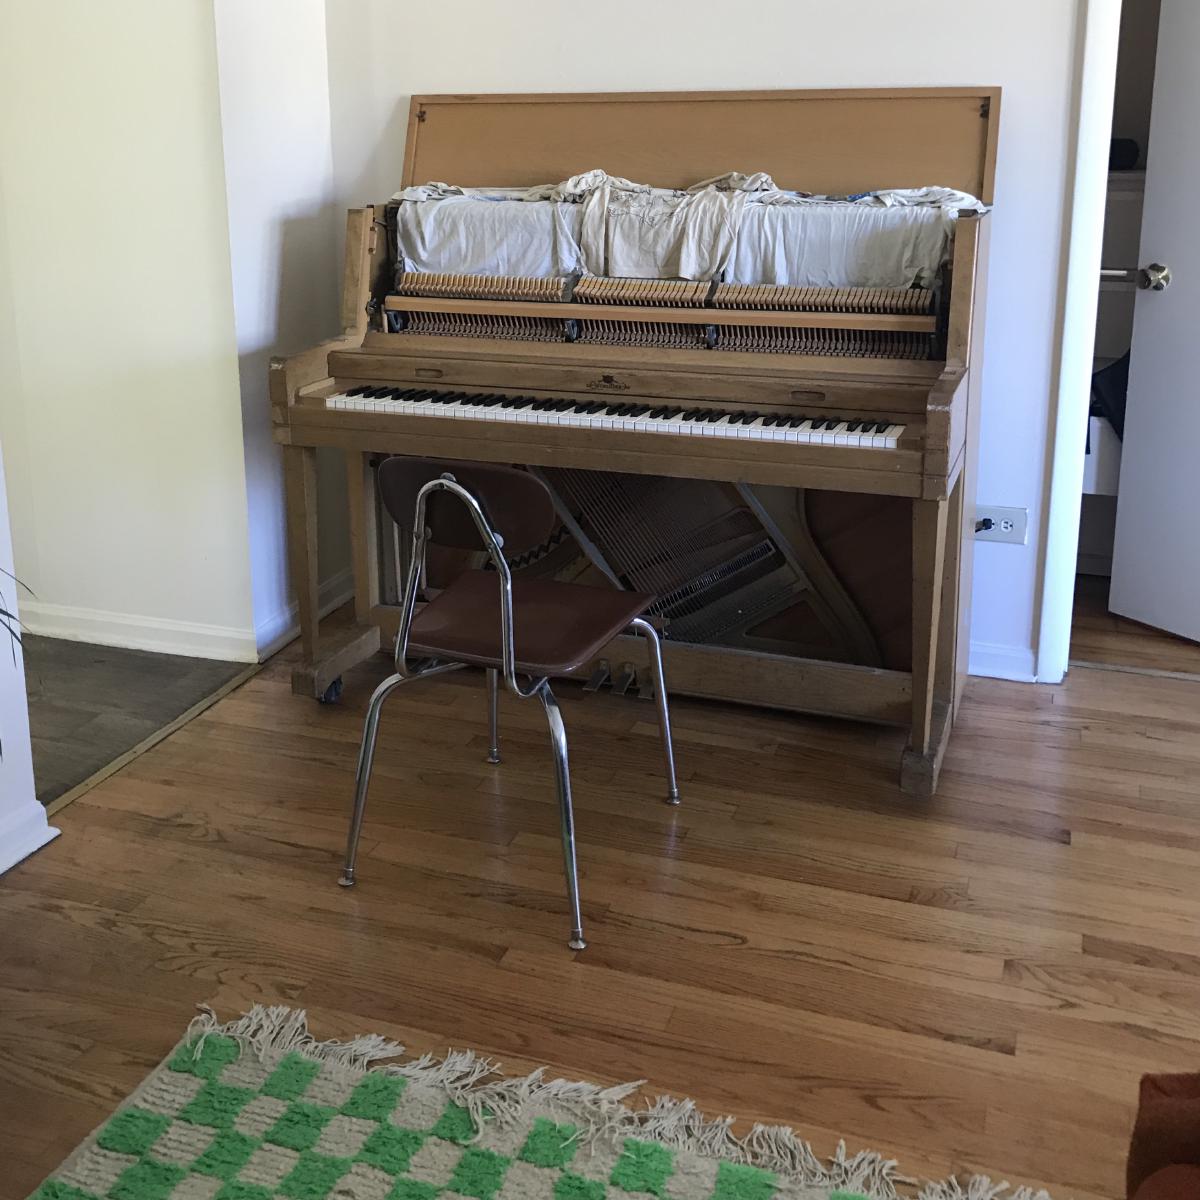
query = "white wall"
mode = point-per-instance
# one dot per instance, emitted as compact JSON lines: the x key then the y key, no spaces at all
{"x":1087,"y":192}
{"x":381,"y":52}
{"x":120,"y":408}
{"x":283,"y":237}
{"x":23,"y":825}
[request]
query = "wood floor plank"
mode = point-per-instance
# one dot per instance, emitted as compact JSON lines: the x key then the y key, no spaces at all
{"x":1099,"y":636}
{"x":969,"y":983}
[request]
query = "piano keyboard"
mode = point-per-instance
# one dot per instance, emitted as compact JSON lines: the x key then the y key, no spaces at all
{"x":631,"y":416}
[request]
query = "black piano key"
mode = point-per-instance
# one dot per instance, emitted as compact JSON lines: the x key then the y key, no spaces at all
{"x":795,"y":422}
{"x":357,"y":391}
{"x":655,"y":413}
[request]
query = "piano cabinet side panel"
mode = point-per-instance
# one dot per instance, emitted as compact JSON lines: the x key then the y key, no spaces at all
{"x":969,"y":475}
{"x":963,"y":294}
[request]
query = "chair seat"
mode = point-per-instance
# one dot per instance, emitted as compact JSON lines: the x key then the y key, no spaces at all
{"x":556,"y":626}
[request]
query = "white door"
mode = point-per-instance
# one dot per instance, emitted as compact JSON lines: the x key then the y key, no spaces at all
{"x":1156,"y":555}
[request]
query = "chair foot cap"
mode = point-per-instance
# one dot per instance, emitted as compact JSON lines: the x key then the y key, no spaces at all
{"x":577,"y":943}
{"x":346,"y":879}
{"x":673,"y":796}
{"x":493,"y":757}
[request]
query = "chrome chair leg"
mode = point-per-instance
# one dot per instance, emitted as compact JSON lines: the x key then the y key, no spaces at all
{"x":558,"y":737}
{"x":493,"y":691}
{"x":366,"y":756}
{"x":660,"y":698}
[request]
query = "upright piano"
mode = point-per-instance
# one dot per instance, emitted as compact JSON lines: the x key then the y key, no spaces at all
{"x":790,"y":469}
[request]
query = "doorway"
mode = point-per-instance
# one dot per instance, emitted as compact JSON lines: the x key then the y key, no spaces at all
{"x":1100,"y":636}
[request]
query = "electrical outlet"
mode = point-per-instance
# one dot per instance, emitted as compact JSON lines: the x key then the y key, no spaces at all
{"x":1006,"y":524}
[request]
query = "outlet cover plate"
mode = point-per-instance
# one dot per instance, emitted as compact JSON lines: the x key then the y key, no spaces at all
{"x":1008,"y":524}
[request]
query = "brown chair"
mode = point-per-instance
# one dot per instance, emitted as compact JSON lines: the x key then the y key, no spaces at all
{"x":534,"y":628}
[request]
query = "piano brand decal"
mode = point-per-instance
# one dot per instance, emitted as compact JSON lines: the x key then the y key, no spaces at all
{"x":607,"y":383}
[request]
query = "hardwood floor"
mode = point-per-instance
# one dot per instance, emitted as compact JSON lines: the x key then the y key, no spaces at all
{"x":970,"y":983}
{"x":1098,"y":636}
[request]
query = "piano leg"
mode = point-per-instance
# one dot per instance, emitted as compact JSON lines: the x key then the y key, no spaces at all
{"x":323,"y":658}
{"x":300,"y":485}
{"x":930,"y":711}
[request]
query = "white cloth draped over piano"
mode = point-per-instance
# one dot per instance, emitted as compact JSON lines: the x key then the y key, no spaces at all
{"x":735,"y":228}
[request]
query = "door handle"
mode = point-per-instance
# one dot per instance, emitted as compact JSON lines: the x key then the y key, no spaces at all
{"x":1154,"y":278}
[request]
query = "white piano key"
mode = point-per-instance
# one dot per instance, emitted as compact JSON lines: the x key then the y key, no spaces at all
{"x":425,"y":405}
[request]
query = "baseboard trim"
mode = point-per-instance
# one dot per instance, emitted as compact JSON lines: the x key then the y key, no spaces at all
{"x":188,"y":638}
{"x":22,"y":833}
{"x":1003,"y":662}
{"x":272,"y":634}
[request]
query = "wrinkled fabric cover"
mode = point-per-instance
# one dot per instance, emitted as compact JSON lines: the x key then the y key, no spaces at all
{"x":840,"y":245}
{"x":635,"y":233}
{"x":737,"y":228}
{"x":471,"y":235}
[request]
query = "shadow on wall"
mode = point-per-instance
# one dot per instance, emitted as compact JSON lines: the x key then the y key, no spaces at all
{"x":303,"y":271}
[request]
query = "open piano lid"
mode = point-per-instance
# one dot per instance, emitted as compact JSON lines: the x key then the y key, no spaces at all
{"x":835,"y":142}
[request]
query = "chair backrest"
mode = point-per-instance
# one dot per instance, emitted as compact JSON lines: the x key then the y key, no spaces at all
{"x":516,"y":504}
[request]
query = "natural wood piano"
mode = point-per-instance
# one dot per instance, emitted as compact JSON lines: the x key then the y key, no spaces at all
{"x":694,"y":436}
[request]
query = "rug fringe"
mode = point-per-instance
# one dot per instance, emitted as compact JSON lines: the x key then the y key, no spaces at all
{"x":600,"y":1113}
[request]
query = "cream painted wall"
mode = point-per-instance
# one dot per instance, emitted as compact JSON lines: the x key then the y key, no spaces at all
{"x":381,"y":52}
{"x":120,"y":409}
{"x":283,"y":244}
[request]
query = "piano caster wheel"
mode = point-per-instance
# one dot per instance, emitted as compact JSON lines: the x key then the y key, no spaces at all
{"x":332,"y":694}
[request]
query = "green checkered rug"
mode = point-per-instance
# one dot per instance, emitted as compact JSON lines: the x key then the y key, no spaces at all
{"x":258,"y":1110}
